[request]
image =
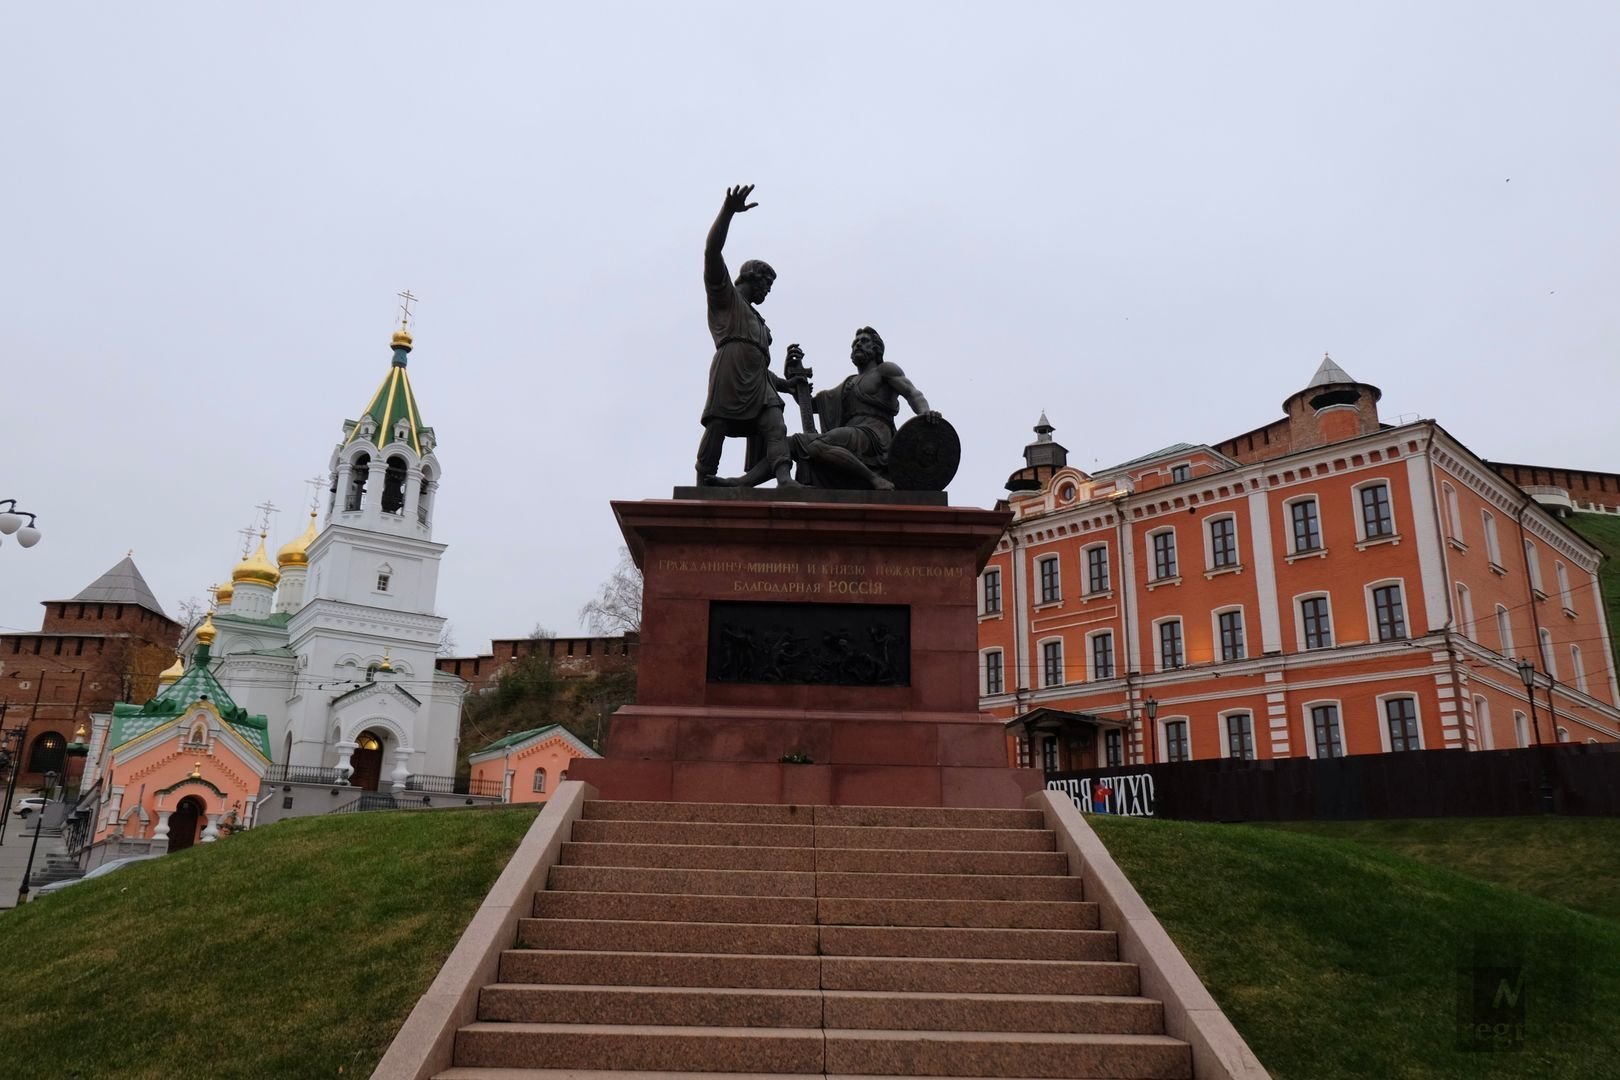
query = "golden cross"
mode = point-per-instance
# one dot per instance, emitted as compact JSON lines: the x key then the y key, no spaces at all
{"x":265,"y":509}
{"x":247,"y":534}
{"x":405,"y":309}
{"x":315,"y":484}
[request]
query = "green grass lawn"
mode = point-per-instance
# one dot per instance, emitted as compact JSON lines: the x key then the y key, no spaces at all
{"x":295,"y":950}
{"x":1336,"y":958}
{"x":1570,"y":861}
{"x":1603,"y":530}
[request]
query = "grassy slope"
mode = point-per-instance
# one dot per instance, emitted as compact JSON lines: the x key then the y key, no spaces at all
{"x":1570,"y":861}
{"x":1603,"y":530}
{"x":1336,"y":959}
{"x":295,"y":950}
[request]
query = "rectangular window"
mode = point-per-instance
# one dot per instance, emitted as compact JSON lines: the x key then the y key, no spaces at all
{"x":382,"y":582}
{"x":1376,"y":518}
{"x":1329,"y":739}
{"x":1170,"y":651}
{"x":1533,"y":565}
{"x":992,"y":592}
{"x":993,"y":680}
{"x":1223,"y":542}
{"x":1052,"y":663}
{"x":1504,"y":630}
{"x":1563,"y":585}
{"x":1313,"y":612}
{"x":1453,"y":518}
{"x":1240,"y":736}
{"x":1049,"y":754}
{"x":1493,"y":549}
{"x":1307,"y":527}
{"x":1051,"y":591}
{"x":1175,"y":741}
{"x":1231,"y":623}
{"x":1097,"y":569}
{"x":1164,"y":554}
{"x":1577,"y":667}
{"x":1102,"y":656}
{"x":1178,"y":473}
{"x":1401,"y":714}
{"x":1388,"y":611}
{"x":1113,"y":748}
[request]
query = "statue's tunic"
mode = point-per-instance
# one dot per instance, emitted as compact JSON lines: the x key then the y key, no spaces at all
{"x":739,"y":380}
{"x":872,"y":413}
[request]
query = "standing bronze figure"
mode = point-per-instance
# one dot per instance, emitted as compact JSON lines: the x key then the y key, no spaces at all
{"x":743,"y":400}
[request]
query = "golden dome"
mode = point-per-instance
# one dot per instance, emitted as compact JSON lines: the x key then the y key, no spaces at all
{"x":225,"y":590}
{"x":206,"y":633}
{"x":177,"y":669}
{"x":401,"y":338}
{"x":257,"y":569}
{"x":296,"y":552}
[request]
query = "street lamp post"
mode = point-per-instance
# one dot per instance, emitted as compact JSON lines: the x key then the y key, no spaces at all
{"x":1527,"y":675}
{"x":1151,"y":707}
{"x":39,"y":826}
{"x":11,"y":521}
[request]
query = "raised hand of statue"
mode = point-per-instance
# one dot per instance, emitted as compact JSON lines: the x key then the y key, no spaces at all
{"x":737,"y":199}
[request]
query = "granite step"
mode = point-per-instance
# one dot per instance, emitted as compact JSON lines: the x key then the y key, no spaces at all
{"x":1022,"y":1054}
{"x":954,"y":975}
{"x":689,"y":856}
{"x":987,"y":914}
{"x":615,"y":968}
{"x":934,"y":839}
{"x":645,"y":1048}
{"x":598,"y":935}
{"x":928,"y":817}
{"x":915,"y":941}
{"x":710,"y":834}
{"x":740,"y":813}
{"x":666,"y":1005}
{"x":679,"y":908}
{"x":494,"y":1073}
{"x":879,"y":861}
{"x":1103,"y":1014}
{"x":1045,"y":887}
{"x":704,"y":882}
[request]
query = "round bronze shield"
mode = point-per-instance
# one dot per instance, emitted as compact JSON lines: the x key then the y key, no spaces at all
{"x":924,"y":455}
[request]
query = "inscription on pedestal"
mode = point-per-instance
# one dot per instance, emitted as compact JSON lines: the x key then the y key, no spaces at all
{"x":826,"y":644}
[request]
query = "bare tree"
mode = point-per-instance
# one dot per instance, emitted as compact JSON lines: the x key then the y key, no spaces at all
{"x":191,"y":611}
{"x":447,"y":639}
{"x":616,"y":608}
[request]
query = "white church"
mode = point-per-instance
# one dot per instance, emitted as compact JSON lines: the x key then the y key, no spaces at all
{"x":334,"y":643}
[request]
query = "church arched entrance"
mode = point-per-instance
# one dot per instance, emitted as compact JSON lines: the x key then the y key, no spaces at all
{"x":184,"y":823}
{"x":367,"y":761}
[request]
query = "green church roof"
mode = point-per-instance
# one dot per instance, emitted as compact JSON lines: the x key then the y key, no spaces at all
{"x":197,"y":684}
{"x":394,"y":401}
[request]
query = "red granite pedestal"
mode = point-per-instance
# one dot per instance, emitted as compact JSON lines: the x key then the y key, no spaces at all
{"x":699,"y":734}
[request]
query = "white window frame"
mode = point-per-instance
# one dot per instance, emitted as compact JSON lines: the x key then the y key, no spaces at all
{"x":984,"y":671}
{"x":1482,"y":722}
{"x":1383,"y":718}
{"x":1448,"y":501}
{"x":1360,"y":518}
{"x":1215,"y":631}
{"x":1465,"y":611}
{"x":1085,"y":569}
{"x":1163,"y":724}
{"x":1289,"y":538}
{"x":1549,"y":652}
{"x":1309,"y":721}
{"x":1001,"y":592}
{"x":1563,"y":734}
{"x":1372,"y":611}
{"x":1579,"y":667}
{"x":1091,"y":656}
{"x":1063,"y":660}
{"x":1493,"y":545}
{"x":1504,"y":631}
{"x":1226,"y":741}
{"x":1209,"y":544}
{"x":1532,"y":562}
{"x":1158,"y":646}
{"x":537,"y":782}
{"x":1153,"y":553}
{"x":1521,"y":729}
{"x":1561,"y":572}
{"x":1299,"y":620}
{"x":1187,"y":465}
{"x":1040,"y":591}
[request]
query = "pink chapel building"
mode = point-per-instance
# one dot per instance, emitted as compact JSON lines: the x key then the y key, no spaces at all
{"x":528,"y":765}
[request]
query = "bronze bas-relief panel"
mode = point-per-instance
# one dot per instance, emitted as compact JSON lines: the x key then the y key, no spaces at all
{"x":809,"y":644}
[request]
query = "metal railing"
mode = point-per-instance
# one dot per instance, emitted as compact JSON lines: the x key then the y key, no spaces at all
{"x":453,"y":785}
{"x":303,"y":774}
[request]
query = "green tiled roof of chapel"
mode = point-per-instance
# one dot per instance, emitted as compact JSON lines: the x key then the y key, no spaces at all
{"x":197,"y":684}
{"x":394,"y":401}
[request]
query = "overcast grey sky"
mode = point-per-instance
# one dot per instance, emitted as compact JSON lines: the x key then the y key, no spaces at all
{"x":1148,"y":219}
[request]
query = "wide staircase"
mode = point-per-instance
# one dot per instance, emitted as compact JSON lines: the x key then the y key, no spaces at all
{"x":684,"y":939}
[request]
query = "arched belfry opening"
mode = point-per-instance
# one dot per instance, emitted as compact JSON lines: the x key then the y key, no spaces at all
{"x":424,"y":497}
{"x":356,"y":496}
{"x":393,"y":496}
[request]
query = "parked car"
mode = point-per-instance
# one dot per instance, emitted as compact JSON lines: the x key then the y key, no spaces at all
{"x":28,"y":805}
{"x":100,"y":871}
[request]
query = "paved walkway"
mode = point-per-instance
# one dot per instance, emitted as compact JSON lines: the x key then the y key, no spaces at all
{"x":14,"y":856}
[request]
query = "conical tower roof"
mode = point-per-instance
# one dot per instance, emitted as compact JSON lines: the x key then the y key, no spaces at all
{"x":123,"y":584}
{"x":394,"y":401}
{"x":1329,"y":373}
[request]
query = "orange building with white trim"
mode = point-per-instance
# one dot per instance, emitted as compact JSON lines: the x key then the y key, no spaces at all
{"x":528,"y":765}
{"x":1324,"y":585}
